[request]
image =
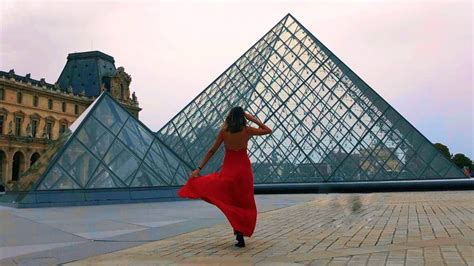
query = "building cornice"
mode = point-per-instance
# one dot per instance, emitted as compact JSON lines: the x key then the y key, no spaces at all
{"x":49,"y":90}
{"x":45,"y":89}
{"x":56,"y":94}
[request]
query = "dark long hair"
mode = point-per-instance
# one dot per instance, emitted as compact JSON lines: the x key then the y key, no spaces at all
{"x":236,"y":119}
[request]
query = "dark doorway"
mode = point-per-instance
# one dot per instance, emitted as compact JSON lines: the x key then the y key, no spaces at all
{"x":3,"y":169}
{"x":18,"y":161}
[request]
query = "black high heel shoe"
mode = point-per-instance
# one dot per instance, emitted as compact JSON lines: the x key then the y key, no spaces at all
{"x":240,"y":240}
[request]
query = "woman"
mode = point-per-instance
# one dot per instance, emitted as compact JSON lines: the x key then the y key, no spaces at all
{"x":231,"y":189}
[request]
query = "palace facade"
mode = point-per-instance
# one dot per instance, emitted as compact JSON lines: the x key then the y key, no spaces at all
{"x":34,"y":113}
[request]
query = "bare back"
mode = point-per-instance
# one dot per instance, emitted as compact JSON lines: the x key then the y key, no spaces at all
{"x":237,"y":140}
{"x":234,"y":141}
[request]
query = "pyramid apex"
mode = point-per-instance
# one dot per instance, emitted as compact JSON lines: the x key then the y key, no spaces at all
{"x":289,"y":15}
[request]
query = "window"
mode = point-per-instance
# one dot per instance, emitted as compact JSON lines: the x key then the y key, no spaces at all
{"x":34,"y":127}
{"x":49,"y":127}
{"x":64,"y":107}
{"x":62,"y":129}
{"x":19,"y":97}
{"x":35,"y":100}
{"x":122,"y":92}
{"x":18,"y":121}
{"x":2,"y":118}
{"x":76,"y":109}
{"x":2,"y":94}
{"x":50,"y":104}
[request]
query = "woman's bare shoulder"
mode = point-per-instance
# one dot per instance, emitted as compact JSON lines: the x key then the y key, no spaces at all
{"x":224,"y":127}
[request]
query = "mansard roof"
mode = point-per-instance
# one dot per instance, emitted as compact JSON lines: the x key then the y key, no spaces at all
{"x":85,"y":71}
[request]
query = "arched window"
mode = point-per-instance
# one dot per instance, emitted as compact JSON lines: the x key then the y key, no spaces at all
{"x":34,"y":158}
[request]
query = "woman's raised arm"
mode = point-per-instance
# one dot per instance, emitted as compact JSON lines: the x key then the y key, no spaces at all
{"x":262,"y":128}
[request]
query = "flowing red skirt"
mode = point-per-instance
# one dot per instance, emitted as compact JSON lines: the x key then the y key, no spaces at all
{"x":231,"y":190}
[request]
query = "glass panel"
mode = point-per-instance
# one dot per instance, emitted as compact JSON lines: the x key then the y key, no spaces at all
{"x":79,"y":163}
{"x":440,"y":164}
{"x":348,"y":169}
{"x":416,"y":166}
{"x":104,"y":179}
{"x":145,"y":177}
{"x":158,"y":162}
{"x":121,"y":161}
{"x":414,"y":140}
{"x":111,"y":115}
{"x":427,"y":152}
{"x":136,"y":137}
{"x":454,"y":172}
{"x":429,"y":173}
{"x":51,"y":178}
{"x":180,"y":176}
{"x":95,"y":137}
{"x":65,"y":182}
{"x":304,"y":172}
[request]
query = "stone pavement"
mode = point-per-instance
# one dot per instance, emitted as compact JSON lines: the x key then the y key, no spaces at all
{"x":430,"y":228}
{"x":56,"y":235}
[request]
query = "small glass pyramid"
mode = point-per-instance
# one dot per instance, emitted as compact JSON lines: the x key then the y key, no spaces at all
{"x":109,"y":148}
{"x":328,"y":124}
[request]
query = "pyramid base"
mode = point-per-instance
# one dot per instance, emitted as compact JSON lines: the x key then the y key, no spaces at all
{"x":367,"y":186}
{"x":57,"y":198}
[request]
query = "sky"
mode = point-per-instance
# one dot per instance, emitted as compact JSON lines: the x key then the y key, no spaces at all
{"x":417,"y":54}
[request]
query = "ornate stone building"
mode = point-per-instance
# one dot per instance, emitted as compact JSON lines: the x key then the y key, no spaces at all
{"x":34,"y":113}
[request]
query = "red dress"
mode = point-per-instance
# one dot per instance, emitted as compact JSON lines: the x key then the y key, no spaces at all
{"x":231,"y":190}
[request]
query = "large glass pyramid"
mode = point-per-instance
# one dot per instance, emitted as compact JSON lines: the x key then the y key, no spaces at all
{"x":328,"y":124}
{"x":109,"y":148}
